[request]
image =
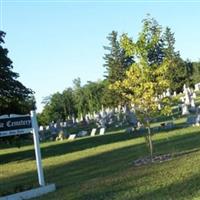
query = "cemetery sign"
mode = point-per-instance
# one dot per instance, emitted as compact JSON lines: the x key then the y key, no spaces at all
{"x":15,"y":125}
{"x":21,"y":124}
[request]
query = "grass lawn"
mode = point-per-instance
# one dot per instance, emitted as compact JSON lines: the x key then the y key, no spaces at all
{"x":101,"y":167}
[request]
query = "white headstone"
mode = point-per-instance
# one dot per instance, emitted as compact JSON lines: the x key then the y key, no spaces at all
{"x":193,"y":103}
{"x":185,"y":109}
{"x":174,"y":94}
{"x":197,"y":87}
{"x":159,"y":106}
{"x":194,"y":96}
{"x":102,"y":131}
{"x":93,"y":132}
{"x":168,"y":93}
{"x":72,"y":137}
{"x":187,"y":98}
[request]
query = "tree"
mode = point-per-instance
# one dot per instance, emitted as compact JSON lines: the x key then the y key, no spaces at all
{"x":179,"y":71}
{"x":116,"y":64}
{"x":146,"y":79}
{"x":196,"y":72}
{"x":116,"y":61}
{"x":14,"y":96}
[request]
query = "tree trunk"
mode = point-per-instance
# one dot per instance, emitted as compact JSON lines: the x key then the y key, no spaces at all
{"x":149,"y":138}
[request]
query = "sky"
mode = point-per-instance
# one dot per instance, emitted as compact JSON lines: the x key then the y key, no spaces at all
{"x":53,"y":42}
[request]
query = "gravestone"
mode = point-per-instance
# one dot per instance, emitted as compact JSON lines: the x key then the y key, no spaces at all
{"x":61,"y":136}
{"x":168,"y":93}
{"x":197,"y":87}
{"x":194,"y":96}
{"x":198,"y":120}
{"x":159,"y":106}
{"x":185,"y":109}
{"x":187,"y":98}
{"x":93,"y":132}
{"x":193,"y":106}
{"x":72,"y":137}
{"x":102,"y":131}
{"x":174,"y":94}
{"x":41,"y":128}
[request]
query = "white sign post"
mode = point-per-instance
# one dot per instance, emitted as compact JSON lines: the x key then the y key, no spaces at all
{"x":37,"y":148}
{"x":22,"y":124}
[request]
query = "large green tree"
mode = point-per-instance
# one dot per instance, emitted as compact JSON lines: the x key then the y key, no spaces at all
{"x":116,"y":61}
{"x":180,"y":71}
{"x":14,"y":96}
{"x":116,"y":64}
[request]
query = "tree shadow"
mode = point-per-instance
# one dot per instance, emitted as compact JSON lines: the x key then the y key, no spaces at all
{"x":81,"y":144}
{"x":76,"y":174}
{"x":191,"y":183}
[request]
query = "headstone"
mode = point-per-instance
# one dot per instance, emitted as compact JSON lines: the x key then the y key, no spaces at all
{"x":193,"y":104}
{"x":72,"y":137}
{"x":168,"y":93}
{"x":187,"y":98}
{"x":61,"y":136}
{"x":102,"y":131}
{"x":41,"y":128}
{"x":174,"y":94}
{"x":185,"y":109}
{"x":64,"y":124}
{"x":73,"y":120}
{"x":197,"y":87}
{"x":93,"y":132}
{"x":194,"y":96}
{"x":184,"y":88}
{"x":198,"y":120}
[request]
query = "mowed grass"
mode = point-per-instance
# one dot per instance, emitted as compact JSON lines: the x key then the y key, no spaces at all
{"x":101,"y":167}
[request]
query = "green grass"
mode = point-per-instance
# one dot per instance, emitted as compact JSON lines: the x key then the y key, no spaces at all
{"x":101,"y":167}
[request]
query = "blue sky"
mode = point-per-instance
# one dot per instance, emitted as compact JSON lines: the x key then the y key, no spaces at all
{"x":53,"y":42}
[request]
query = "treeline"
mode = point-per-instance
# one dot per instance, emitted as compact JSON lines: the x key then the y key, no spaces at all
{"x":14,"y":96}
{"x":91,"y":97}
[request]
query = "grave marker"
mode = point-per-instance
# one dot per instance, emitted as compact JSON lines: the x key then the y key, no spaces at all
{"x":102,"y":131}
{"x":72,"y":137}
{"x":93,"y":132}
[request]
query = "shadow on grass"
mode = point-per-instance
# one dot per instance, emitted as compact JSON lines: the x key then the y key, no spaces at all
{"x":108,"y":164}
{"x":185,"y":189}
{"x":61,"y":148}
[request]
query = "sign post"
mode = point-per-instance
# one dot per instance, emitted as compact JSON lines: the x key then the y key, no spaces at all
{"x":37,"y":148}
{"x":22,"y":124}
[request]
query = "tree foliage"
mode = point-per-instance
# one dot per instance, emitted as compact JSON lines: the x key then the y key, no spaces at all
{"x":74,"y":102}
{"x":14,"y":96}
{"x":146,"y":79}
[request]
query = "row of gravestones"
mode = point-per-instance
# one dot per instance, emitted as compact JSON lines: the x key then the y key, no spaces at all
{"x":80,"y":134}
{"x":118,"y":116}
